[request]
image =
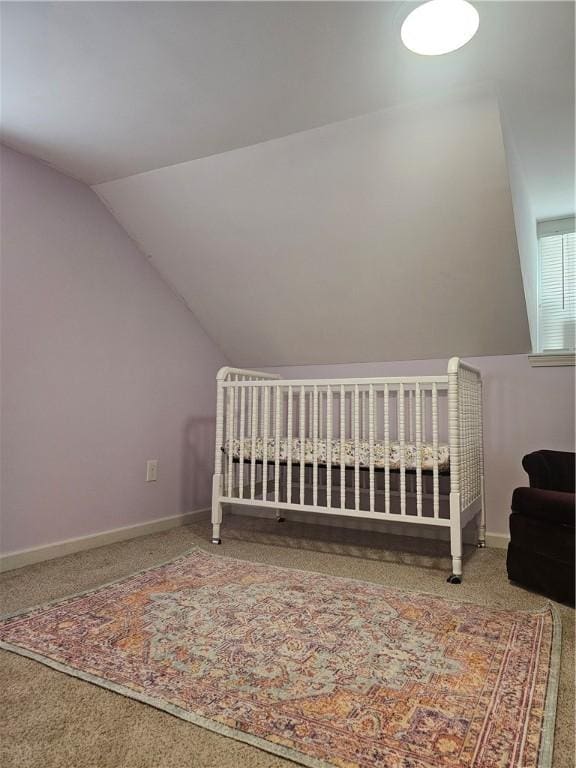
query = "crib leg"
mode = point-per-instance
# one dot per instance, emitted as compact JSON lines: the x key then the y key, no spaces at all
{"x":482,"y":530}
{"x":455,"y":540}
{"x":279,"y":517}
{"x":216,"y":508}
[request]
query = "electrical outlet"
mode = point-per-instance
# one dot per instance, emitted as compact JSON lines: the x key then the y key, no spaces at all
{"x":151,"y":470}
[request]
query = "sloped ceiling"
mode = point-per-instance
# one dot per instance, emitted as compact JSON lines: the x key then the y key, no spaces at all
{"x":104,"y":90}
{"x":384,"y":237}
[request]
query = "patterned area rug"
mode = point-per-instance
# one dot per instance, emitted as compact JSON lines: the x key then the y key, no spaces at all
{"x":322,"y":670}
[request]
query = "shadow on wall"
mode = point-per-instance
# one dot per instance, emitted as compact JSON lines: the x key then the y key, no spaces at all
{"x":197,"y":463}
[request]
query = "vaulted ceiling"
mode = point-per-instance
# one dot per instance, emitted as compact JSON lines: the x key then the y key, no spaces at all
{"x":313,"y":190}
{"x":388,"y":236}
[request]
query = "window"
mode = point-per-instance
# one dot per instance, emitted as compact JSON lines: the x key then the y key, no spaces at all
{"x":557,"y":286}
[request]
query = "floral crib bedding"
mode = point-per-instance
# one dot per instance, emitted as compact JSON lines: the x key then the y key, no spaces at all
{"x":379,"y":447}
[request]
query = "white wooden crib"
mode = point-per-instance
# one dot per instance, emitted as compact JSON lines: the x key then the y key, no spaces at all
{"x":406,"y":449}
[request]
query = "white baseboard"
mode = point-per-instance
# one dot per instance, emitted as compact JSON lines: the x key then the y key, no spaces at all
{"x":12,"y":560}
{"x":496,"y":540}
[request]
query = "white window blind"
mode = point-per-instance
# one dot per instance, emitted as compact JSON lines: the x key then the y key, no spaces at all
{"x":557,"y":289}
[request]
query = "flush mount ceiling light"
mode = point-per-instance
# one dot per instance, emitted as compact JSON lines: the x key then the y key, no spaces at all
{"x":439,"y":26}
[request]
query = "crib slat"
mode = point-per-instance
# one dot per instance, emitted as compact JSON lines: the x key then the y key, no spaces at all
{"x":255,"y":393}
{"x":242,"y":427}
{"x":279,"y":399}
{"x":411,"y":414}
{"x":272,"y":415}
{"x":435,"y":481}
{"x":250,"y":400}
{"x":423,"y":415}
{"x":265,"y":424}
{"x":329,"y":446}
{"x":371,"y":442}
{"x":386,"y":450}
{"x":367,"y":406}
{"x":289,"y":454}
{"x":401,"y":440}
{"x":315,"y":447}
{"x":230,"y":430}
{"x":342,"y":447}
{"x":302,"y":441}
{"x":418,"y":450}
{"x":356,"y":449}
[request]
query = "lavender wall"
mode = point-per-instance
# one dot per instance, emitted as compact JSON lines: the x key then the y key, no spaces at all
{"x":103,"y":367}
{"x":525,"y":409}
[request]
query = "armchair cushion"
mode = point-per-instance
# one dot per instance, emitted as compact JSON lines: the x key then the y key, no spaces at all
{"x":548,"y":506}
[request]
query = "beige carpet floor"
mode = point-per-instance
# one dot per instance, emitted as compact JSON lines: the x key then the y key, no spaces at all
{"x":49,"y":719}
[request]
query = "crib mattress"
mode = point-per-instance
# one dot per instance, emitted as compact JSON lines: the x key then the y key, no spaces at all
{"x":394,"y":454}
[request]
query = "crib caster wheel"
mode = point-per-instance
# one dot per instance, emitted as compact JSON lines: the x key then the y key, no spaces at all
{"x":280,"y":519}
{"x":216,"y":541}
{"x":481,"y":545}
{"x":453,"y":579}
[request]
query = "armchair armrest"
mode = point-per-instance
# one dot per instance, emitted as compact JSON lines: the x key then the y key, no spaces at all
{"x":551,"y":470}
{"x":550,"y":506}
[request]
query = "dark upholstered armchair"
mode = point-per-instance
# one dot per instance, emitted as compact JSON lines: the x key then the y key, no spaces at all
{"x":542,"y":526}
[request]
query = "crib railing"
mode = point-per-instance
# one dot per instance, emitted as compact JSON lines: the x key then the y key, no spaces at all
{"x":348,"y":417}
